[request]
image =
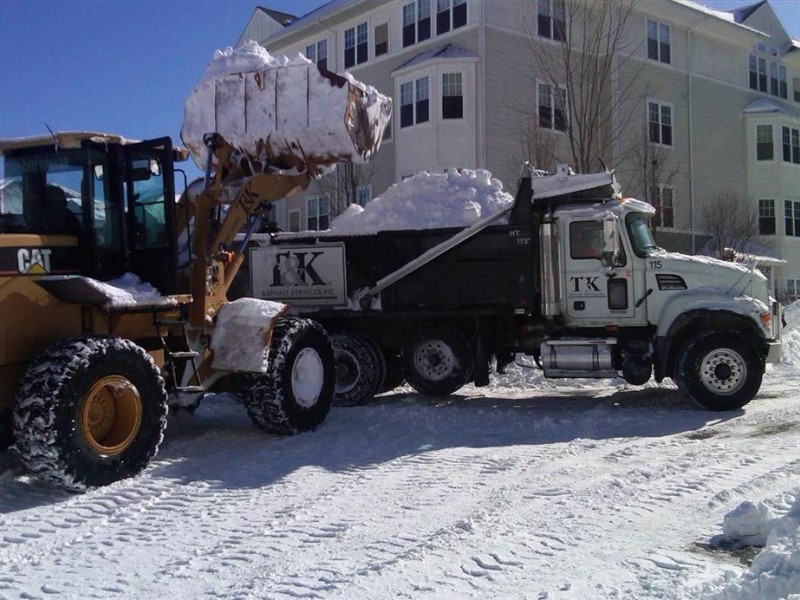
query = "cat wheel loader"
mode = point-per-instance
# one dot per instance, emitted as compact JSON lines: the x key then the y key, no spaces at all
{"x":88,"y":366}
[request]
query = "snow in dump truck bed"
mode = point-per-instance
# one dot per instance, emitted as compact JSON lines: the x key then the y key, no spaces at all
{"x":455,"y":198}
{"x":528,"y":488}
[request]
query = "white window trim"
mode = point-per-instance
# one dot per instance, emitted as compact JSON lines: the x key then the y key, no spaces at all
{"x":370,"y":41}
{"x":442,"y":73}
{"x":658,"y":40}
{"x":661,"y":187}
{"x":317,"y":197}
{"x":413,"y":81}
{"x":774,"y":216}
{"x":552,"y":129}
{"x":660,"y":103}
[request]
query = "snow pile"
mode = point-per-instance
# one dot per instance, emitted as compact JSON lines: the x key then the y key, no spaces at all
{"x":128,"y":290}
{"x":283,"y":112}
{"x":791,"y":336}
{"x":242,"y":334}
{"x":748,"y":524}
{"x":775,"y":572}
{"x":427,"y":201}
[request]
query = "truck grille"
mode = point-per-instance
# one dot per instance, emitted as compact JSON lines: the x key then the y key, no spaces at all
{"x":670,"y":282}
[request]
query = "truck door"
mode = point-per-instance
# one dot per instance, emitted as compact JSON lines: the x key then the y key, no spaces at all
{"x":149,"y":201}
{"x":595,"y":295}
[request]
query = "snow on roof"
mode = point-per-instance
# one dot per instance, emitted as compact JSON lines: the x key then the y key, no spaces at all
{"x":446,"y":51}
{"x":62,"y":139}
{"x":722,"y":15}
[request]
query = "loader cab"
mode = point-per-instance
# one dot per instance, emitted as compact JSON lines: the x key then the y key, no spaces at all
{"x":116,"y":199}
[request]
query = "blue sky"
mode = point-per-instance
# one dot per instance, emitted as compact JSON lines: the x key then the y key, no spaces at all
{"x":125,"y":67}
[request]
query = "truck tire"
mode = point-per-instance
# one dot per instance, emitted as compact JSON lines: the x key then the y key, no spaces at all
{"x":360,"y":369}
{"x":295,"y":393}
{"x":90,"y":411}
{"x":437,"y":360}
{"x":719,"y":371}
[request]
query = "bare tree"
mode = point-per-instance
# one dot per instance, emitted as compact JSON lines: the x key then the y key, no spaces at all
{"x":731,"y":224}
{"x":343,"y":184}
{"x":589,"y":73}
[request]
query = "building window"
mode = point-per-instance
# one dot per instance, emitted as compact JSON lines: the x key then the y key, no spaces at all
{"x":552,"y":19}
{"x":552,"y":107}
{"x":766,"y":217}
{"x":796,"y":88}
{"x":382,"y":39}
{"x":659,"y":118}
{"x":318,"y":54}
{"x":414,"y":102}
{"x":356,"y":45}
{"x":791,"y":212}
{"x":450,"y":14}
{"x":416,"y":22}
{"x":658,"y":44}
{"x":663,"y":203}
{"x":791,"y":145}
{"x":452,"y":98}
{"x":764,"y":149}
{"x":767,"y":75}
{"x":318,"y":213}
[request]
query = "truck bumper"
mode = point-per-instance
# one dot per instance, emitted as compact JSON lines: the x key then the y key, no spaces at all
{"x":774,"y":351}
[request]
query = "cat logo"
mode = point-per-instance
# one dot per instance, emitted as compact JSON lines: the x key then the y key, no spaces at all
{"x":34,"y":262}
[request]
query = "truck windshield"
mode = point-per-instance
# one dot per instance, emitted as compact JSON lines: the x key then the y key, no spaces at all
{"x":641,"y":237}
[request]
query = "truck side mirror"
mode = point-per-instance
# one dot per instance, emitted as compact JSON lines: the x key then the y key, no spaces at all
{"x":610,"y":254}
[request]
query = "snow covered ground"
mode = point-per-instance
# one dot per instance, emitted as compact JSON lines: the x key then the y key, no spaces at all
{"x":525,"y":489}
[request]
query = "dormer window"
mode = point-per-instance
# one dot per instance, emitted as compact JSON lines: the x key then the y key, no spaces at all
{"x":766,"y":73}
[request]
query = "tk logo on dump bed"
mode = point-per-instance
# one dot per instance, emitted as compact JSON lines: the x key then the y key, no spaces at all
{"x":296,"y":268}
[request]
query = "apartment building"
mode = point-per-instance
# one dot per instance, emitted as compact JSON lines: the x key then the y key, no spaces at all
{"x":706,"y":106}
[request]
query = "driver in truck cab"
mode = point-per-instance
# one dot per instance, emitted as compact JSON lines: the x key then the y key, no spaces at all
{"x":586,"y":240}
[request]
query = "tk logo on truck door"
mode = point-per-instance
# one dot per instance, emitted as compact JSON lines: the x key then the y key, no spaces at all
{"x":585,"y":285}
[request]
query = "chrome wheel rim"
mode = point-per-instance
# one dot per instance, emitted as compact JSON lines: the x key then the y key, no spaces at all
{"x":723,"y":371}
{"x":434,"y":360}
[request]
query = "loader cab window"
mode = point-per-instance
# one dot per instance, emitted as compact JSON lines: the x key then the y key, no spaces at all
{"x":41,"y":193}
{"x":145,"y":203}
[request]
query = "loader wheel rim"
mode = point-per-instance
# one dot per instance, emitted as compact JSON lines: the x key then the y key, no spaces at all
{"x":723,"y":371}
{"x":110,"y":415}
{"x":308,"y":377}
{"x":434,"y":360}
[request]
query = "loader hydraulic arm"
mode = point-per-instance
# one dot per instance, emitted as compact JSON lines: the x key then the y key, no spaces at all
{"x":216,"y":259}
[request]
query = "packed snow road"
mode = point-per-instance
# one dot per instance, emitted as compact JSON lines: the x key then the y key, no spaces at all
{"x":552,"y":491}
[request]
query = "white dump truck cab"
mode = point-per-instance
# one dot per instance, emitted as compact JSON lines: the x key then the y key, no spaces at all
{"x":633,"y":308}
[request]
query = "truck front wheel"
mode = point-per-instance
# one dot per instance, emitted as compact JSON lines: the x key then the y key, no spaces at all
{"x":720,"y":371}
{"x":437,"y":360}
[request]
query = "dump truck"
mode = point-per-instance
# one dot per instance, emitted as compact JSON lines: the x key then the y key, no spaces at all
{"x":567,"y":273}
{"x":113,"y":293}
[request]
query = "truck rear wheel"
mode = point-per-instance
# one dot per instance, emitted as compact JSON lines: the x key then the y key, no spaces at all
{"x":90,"y":411}
{"x":720,"y":371}
{"x":360,"y":369}
{"x":295,"y":393}
{"x":437,"y":360}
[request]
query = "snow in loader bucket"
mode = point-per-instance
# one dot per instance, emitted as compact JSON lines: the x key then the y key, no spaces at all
{"x":283,"y":113}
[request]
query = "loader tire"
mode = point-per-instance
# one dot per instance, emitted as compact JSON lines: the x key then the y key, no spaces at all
{"x":437,"y":360}
{"x":720,"y":371}
{"x":360,"y":369}
{"x":296,"y":392}
{"x":90,"y":411}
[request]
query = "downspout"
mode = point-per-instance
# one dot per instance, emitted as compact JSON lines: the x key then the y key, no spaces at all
{"x":481,"y":87}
